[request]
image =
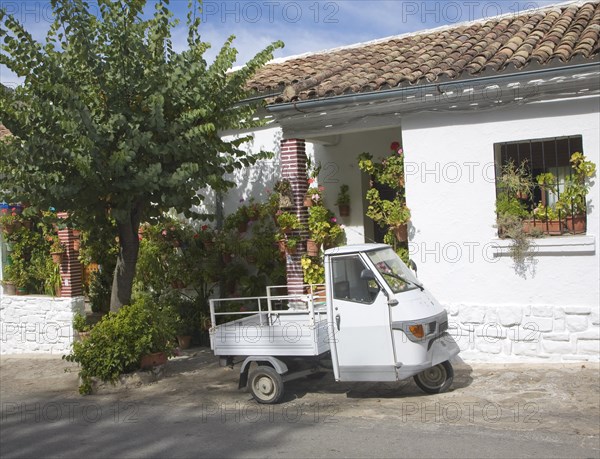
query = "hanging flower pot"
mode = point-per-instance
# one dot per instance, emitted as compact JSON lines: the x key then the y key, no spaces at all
{"x":344,"y":210}
{"x":282,"y":245}
{"x":312,"y":248}
{"x":401,"y":232}
{"x":308,"y":202}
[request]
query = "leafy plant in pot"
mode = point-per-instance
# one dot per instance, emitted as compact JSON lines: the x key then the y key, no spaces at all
{"x":120,"y":342}
{"x":514,"y":186}
{"x":343,"y":201}
{"x":284,"y":189}
{"x":572,"y":201}
{"x":81,"y":326}
{"x":56,"y":250}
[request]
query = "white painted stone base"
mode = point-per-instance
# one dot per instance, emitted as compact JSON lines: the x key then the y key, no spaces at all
{"x":526,"y":333}
{"x":37,"y":324}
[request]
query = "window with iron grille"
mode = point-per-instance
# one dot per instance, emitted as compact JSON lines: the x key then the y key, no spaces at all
{"x":549,"y":205}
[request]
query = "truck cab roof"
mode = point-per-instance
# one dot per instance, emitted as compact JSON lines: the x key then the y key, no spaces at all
{"x":355,"y":248}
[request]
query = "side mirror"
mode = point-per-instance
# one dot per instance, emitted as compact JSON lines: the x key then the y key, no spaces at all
{"x":412,"y":265}
{"x":367,"y":274}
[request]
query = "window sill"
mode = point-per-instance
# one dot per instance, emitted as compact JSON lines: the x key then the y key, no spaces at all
{"x":551,"y":245}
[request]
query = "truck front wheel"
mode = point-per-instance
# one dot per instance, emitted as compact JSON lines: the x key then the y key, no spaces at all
{"x":436,"y":380}
{"x":265,"y":385}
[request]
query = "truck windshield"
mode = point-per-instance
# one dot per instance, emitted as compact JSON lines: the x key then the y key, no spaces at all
{"x":394,"y":271}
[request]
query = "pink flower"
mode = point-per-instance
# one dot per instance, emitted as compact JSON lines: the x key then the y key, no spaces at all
{"x":321,"y":188}
{"x":333,"y":219}
{"x":311,"y":180}
{"x":400,"y":151}
{"x":164,"y":232}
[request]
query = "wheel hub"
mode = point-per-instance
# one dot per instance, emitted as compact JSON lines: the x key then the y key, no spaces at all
{"x":433,"y":377}
{"x":265,"y":385}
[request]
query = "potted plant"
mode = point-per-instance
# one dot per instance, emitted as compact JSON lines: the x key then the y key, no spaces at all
{"x":292,"y":244}
{"x":343,"y":201}
{"x":16,"y":274}
{"x":138,"y":335}
{"x":186,"y":313}
{"x":10,"y":219}
{"x":9,"y":287}
{"x":314,"y":276}
{"x":393,"y":213}
{"x":284,"y":190}
{"x":81,"y":326}
{"x":573,"y":199}
{"x":56,"y":250}
{"x":287,"y":222}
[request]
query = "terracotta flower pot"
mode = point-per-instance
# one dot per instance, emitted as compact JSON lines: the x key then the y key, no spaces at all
{"x":10,"y":289}
{"x":344,"y":210}
{"x":312,"y":248}
{"x":282,"y":245}
{"x":401,"y":232}
{"x":551,"y":227}
{"x":76,"y":245}
{"x":308,"y":202}
{"x":184,"y":341}
{"x":57,"y":257}
{"x":576,"y":224}
{"x":150,"y":361}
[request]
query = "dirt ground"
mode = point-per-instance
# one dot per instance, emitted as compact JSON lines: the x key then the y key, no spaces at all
{"x":554,"y":398}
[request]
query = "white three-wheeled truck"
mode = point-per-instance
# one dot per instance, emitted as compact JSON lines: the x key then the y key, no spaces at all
{"x":374,"y":322}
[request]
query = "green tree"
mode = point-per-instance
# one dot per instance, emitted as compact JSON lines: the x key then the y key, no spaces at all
{"x":115,"y":127}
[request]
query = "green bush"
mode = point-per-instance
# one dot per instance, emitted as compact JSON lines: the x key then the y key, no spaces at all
{"x":118,"y":342}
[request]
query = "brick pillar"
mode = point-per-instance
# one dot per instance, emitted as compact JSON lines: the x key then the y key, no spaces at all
{"x":71,"y":271}
{"x":293,"y":168}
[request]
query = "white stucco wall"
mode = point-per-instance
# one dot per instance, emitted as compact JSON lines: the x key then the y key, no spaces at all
{"x":451,"y":193}
{"x":255,"y":181}
{"x":37,"y":324}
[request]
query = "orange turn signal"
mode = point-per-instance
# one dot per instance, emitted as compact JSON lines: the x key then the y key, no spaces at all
{"x":417,"y":331}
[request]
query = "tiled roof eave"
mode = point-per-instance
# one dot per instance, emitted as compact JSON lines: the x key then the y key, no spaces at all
{"x":535,"y":72}
{"x":554,"y":35}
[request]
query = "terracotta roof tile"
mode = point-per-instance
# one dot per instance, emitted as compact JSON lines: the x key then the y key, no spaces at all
{"x":546,"y":36}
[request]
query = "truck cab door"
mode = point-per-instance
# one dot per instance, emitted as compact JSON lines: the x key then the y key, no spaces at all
{"x":362,"y":348}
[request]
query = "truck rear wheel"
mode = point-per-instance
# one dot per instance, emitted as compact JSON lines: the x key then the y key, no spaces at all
{"x":435,"y":380}
{"x":265,"y":385}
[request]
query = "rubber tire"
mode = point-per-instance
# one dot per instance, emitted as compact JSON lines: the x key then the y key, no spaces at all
{"x":442,"y":375}
{"x":265,"y":385}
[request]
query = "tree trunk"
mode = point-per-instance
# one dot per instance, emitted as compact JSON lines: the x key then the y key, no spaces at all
{"x":129,"y":245}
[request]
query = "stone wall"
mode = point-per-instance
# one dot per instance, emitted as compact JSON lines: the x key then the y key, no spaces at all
{"x":526,"y":333}
{"x":37,"y":324}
